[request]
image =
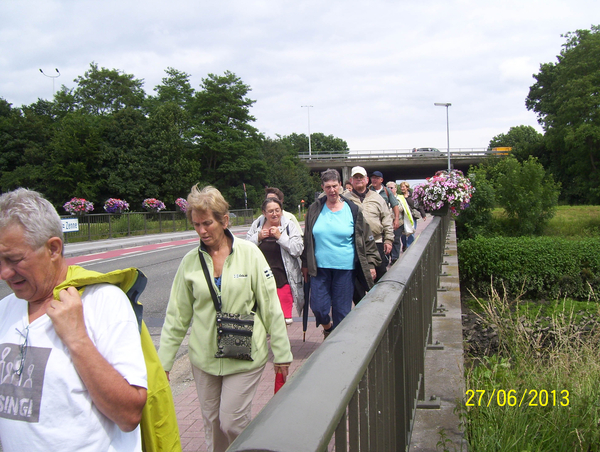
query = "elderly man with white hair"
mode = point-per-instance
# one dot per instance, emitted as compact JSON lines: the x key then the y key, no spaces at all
{"x":72,"y":371}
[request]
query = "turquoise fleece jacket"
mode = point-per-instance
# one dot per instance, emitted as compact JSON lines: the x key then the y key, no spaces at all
{"x":246,"y":279}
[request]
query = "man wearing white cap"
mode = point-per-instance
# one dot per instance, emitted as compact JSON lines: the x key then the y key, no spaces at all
{"x":376,"y":213}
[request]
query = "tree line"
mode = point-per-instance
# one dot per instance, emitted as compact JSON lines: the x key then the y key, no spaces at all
{"x":566,"y":100}
{"x":106,"y":138}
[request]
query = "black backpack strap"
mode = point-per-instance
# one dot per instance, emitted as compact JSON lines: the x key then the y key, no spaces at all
{"x":134,"y":293}
{"x":388,"y":195}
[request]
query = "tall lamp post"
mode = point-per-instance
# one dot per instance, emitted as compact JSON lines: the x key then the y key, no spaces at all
{"x":446,"y":104}
{"x":308,"y":107}
{"x":52,"y":77}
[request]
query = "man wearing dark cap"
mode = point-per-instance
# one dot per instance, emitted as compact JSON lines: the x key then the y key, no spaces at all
{"x":388,"y":196}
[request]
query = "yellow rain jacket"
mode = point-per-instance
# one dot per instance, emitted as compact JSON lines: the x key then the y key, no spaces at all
{"x":160,"y":432}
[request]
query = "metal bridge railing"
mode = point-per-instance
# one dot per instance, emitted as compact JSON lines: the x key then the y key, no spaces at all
{"x":359,"y":390}
{"x":99,"y":226}
{"x":402,"y":154}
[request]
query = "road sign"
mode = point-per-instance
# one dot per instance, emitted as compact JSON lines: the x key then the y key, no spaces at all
{"x":70,"y":225}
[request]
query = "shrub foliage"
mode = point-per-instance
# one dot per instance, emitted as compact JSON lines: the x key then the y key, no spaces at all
{"x":532,"y":267}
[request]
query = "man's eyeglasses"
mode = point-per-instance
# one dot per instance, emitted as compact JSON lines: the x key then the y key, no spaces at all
{"x":22,"y":350}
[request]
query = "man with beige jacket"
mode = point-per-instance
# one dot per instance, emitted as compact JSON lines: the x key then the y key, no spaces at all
{"x":376,"y":213}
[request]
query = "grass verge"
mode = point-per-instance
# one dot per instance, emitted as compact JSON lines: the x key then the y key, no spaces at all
{"x":540,"y":391}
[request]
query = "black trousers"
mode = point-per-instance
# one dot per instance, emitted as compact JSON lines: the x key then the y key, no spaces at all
{"x":382,"y":269}
{"x":397,"y":245}
{"x":359,"y":291}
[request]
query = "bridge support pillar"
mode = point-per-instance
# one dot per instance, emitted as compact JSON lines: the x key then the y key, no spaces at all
{"x":345,"y":174}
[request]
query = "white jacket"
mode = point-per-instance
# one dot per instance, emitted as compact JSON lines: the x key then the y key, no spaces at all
{"x":291,"y":245}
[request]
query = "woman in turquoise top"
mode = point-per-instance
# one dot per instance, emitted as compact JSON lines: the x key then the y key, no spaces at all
{"x":338,"y":247}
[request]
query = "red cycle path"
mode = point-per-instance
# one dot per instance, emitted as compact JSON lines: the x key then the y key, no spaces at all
{"x":134,"y":249}
{"x":123,"y":251}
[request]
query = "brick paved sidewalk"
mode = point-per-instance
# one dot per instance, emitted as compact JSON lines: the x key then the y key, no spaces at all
{"x":187,"y":406}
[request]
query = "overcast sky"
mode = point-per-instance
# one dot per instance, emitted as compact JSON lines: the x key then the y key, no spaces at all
{"x":371,"y":70}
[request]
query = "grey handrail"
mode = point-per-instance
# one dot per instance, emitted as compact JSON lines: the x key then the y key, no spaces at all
{"x":359,"y":389}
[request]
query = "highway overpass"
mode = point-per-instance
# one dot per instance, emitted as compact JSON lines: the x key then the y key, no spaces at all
{"x":398,"y":164}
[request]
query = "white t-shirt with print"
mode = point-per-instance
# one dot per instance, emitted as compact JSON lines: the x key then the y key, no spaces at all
{"x":47,"y":407}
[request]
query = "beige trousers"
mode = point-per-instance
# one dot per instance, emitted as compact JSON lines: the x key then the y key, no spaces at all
{"x":226,"y":404}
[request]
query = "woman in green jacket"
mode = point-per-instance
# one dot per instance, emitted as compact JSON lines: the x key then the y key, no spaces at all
{"x":243,"y":281}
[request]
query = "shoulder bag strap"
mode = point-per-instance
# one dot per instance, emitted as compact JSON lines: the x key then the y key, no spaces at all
{"x":213,"y":294}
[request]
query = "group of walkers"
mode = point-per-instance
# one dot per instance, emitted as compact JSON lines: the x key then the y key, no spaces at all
{"x":69,"y":338}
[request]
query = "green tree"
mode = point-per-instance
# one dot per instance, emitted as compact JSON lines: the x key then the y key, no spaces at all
{"x":328,"y":144}
{"x":175,"y":166}
{"x":527,"y":193}
{"x":12,"y":143}
{"x":102,"y":91}
{"x":566,"y":100}
{"x":226,"y":144}
{"x":24,"y":139}
{"x":127,"y":171}
{"x":288,"y":173}
{"x":524,"y":141}
{"x":175,"y":88}
{"x":319,"y":144}
{"x":477,"y":218}
{"x":73,"y":164}
{"x":172,"y":140}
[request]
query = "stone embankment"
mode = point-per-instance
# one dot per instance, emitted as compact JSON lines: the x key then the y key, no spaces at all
{"x":481,"y":336}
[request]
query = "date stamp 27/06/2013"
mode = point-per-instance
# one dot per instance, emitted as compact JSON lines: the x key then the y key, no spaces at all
{"x":514,"y":398}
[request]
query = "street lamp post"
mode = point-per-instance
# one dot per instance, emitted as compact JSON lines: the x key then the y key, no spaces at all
{"x":308,"y":107}
{"x":446,"y":104}
{"x":52,"y":77}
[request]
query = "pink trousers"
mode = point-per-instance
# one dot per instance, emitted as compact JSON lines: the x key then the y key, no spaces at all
{"x":287,"y":300}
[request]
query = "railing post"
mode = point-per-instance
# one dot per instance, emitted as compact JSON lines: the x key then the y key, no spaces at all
{"x":89,"y":228}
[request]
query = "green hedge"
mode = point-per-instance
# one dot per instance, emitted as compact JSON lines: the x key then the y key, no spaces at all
{"x":537,"y":267}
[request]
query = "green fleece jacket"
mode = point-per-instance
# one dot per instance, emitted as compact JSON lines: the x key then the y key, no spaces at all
{"x":246,"y":279}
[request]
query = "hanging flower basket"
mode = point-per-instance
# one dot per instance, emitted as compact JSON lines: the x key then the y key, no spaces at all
{"x":115,"y":205}
{"x":444,"y":192}
{"x":181,"y":204}
{"x":78,"y":206}
{"x":153,"y":205}
{"x":441,"y":212}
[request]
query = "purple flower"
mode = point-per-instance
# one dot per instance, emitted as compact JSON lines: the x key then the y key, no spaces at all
{"x":113,"y":205}
{"x":182,"y":204}
{"x":452,"y":189}
{"x":153,"y":204}
{"x":78,"y":205}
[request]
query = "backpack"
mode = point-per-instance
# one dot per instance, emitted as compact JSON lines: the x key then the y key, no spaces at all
{"x":159,"y":428}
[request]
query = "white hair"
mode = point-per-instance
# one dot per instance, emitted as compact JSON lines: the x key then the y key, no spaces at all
{"x":35,"y":214}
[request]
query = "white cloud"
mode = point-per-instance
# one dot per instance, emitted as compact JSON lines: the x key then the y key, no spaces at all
{"x":372,"y":71}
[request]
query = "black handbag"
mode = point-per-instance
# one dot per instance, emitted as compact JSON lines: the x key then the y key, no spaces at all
{"x":234,"y":331}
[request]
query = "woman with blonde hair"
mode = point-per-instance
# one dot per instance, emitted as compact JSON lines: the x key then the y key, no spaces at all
{"x":233,"y":273}
{"x":407,"y":193}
